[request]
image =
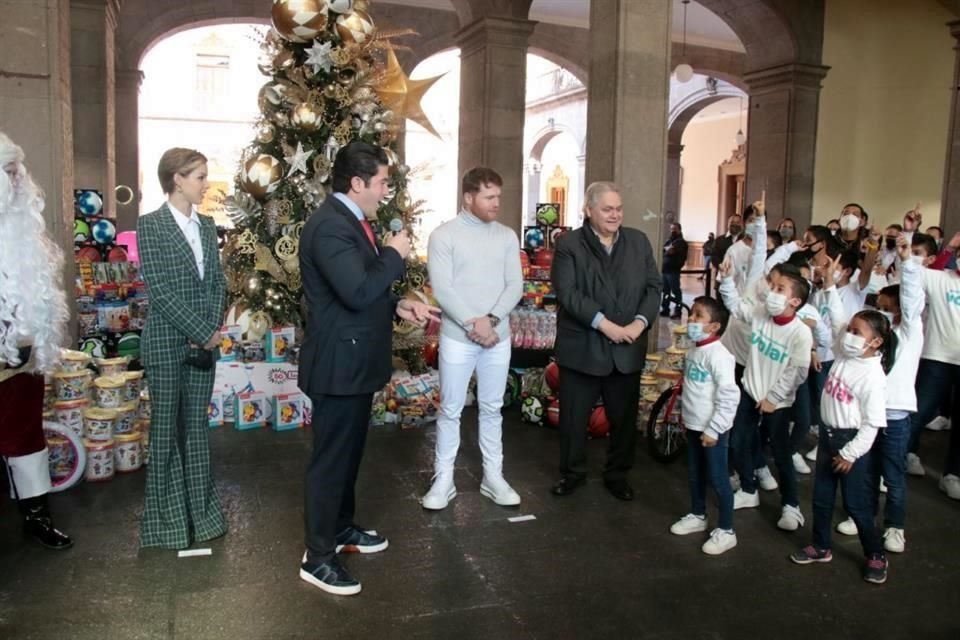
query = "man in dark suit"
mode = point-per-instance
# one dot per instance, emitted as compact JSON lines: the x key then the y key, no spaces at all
{"x":674,"y":257}
{"x":608,"y":286}
{"x":724,"y":242}
{"x":346,"y":354}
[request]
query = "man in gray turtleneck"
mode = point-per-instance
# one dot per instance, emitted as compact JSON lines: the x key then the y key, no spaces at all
{"x":474,"y":265}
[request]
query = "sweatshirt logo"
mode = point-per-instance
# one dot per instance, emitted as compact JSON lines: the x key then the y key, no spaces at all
{"x":696,"y":373}
{"x":838,"y":391}
{"x":776,"y":351}
{"x":953,"y":297}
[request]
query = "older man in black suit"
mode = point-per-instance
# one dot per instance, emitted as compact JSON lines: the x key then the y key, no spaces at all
{"x":346,"y":354}
{"x":608,"y":285}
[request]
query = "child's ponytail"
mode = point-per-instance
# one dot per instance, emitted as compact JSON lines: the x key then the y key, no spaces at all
{"x":884,"y":330}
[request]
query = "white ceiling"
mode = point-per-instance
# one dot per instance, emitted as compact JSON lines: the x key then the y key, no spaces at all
{"x":703,"y":26}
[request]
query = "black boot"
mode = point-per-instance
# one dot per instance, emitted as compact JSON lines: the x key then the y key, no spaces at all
{"x":38,"y":525}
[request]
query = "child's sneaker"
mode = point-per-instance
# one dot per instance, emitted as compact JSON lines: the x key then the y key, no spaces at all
{"x":914,"y":466}
{"x":765,"y":479}
{"x":690,"y":523}
{"x":800,"y":465}
{"x":894,"y":540}
{"x":790,"y":518}
{"x":744,"y":500}
{"x":811,"y":455}
{"x":811,"y":554}
{"x":875,"y":570}
{"x":848,"y":527}
{"x":720,"y":540}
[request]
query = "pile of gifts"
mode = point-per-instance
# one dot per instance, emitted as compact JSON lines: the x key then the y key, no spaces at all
{"x":278,"y":345}
{"x":407,"y":400}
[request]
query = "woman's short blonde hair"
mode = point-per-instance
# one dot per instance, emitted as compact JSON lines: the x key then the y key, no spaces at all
{"x":177,"y":160}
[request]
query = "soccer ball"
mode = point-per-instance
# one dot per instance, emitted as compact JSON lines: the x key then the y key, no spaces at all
{"x":103,"y":231}
{"x":532,"y":410}
{"x":553,"y":413}
{"x":88,"y":202}
{"x":599,"y":426}
{"x":81,"y":230}
{"x":551,"y":375}
{"x":533,"y":238}
{"x":129,"y":345}
{"x":94,"y":347}
{"x":547,"y":214}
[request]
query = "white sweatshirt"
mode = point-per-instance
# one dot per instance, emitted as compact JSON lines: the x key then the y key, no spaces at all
{"x":854,"y":398}
{"x":942,"y":289}
{"x":751,"y":287}
{"x":710,"y":393}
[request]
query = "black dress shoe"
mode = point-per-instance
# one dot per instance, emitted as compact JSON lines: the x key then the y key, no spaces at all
{"x":619,"y":489}
{"x":566,"y":486}
{"x":38,"y":524}
{"x":356,"y":540}
{"x":329,"y":576}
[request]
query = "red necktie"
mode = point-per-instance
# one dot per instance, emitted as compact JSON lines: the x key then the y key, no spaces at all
{"x":369,"y":231}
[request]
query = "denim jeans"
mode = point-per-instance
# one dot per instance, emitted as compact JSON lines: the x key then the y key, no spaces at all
{"x":889,"y":455}
{"x":855,"y":487}
{"x":742,"y":438}
{"x":817,"y":381}
{"x":709,"y":463}
{"x":802,"y":414}
{"x":671,"y":290}
{"x":936,"y":381}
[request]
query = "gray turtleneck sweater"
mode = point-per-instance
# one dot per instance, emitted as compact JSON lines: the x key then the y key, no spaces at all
{"x":474,"y":270}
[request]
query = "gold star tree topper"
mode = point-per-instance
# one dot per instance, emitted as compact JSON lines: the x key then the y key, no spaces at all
{"x":402,"y":95}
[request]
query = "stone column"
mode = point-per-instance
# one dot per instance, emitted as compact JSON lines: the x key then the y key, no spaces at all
{"x":127,"y":147}
{"x":35,"y":104}
{"x":782,"y":138}
{"x":950,"y":205}
{"x":628,"y":98}
{"x":575,"y":213}
{"x":533,"y":191}
{"x":672,"y":199}
{"x":493,"y":72}
{"x":93,"y":24}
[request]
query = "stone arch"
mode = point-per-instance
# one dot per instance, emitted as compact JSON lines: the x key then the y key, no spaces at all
{"x":684,"y":111}
{"x":543,"y":137}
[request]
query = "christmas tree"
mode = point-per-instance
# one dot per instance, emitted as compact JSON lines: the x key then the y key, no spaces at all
{"x":334,"y":79}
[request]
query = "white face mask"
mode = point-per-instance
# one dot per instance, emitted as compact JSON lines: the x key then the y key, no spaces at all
{"x":889,"y":316}
{"x":917,"y":260}
{"x":849,"y":222}
{"x":837,"y":276}
{"x":776,"y":303}
{"x":853,"y":345}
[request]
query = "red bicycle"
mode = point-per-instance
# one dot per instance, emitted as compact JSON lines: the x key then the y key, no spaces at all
{"x":666,"y":435}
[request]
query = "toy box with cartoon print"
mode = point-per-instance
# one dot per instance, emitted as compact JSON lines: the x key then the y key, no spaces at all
{"x":289,"y":411}
{"x":279,"y":341}
{"x":230,"y":337}
{"x":250,"y":410}
{"x":215,"y":410}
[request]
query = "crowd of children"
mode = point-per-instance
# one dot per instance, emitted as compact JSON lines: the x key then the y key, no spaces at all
{"x":851,"y":335}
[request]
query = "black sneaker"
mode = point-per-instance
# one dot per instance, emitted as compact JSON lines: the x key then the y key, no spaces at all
{"x":330,"y":577}
{"x":356,"y":540}
{"x":875,"y":570}
{"x":811,"y":554}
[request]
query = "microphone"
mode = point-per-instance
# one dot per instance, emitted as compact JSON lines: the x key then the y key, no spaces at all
{"x":396,"y":226}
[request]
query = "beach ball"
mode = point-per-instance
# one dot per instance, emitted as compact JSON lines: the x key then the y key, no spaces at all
{"x":81,"y":230}
{"x":103,"y":231}
{"x":532,"y":410}
{"x":533,"y":238}
{"x":88,"y":202}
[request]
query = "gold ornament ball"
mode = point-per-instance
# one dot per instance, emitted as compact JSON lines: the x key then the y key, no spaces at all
{"x":403,"y":200}
{"x":261,"y":175}
{"x":265,"y":134}
{"x":252,"y":285}
{"x":306,"y":117}
{"x":355,"y":27}
{"x":299,"y":20}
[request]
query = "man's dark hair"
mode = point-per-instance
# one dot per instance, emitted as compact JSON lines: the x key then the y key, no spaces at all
{"x":820,"y":232}
{"x":895,"y":227}
{"x":927,"y":242}
{"x":798,"y":285}
{"x":773,"y":234}
{"x":939,"y":230}
{"x":850,"y":260}
{"x":749,"y":211}
{"x":677,"y":225}
{"x":357,"y":160}
{"x":478,"y":178}
{"x":863,"y":211}
{"x":715,"y":310}
{"x":833,"y":221}
{"x":834,"y":248}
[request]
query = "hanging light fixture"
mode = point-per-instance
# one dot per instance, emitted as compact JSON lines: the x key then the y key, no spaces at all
{"x":684,"y":72}
{"x":741,"y":137}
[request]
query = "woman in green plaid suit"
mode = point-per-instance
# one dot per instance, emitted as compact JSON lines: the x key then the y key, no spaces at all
{"x":187,"y":292}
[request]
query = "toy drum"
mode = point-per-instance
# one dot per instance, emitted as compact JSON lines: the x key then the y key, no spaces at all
{"x":72,"y":385}
{"x":110,"y":391}
{"x":70,"y":414}
{"x":98,"y":424}
{"x":668,"y":378}
{"x":673,"y":359}
{"x":127,"y":452}
{"x":111,"y":366}
{"x":99,"y":461}
{"x":49,"y":396}
{"x":651,"y":364}
{"x":60,"y":456}
{"x":143,"y":413}
{"x":680,"y":338}
{"x":144,"y":431}
{"x":73,"y":361}
{"x":126,"y":417}
{"x":649,"y":389}
{"x":134,"y":380}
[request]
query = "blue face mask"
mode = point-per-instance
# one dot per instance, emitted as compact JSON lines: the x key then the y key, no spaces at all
{"x":695,"y":331}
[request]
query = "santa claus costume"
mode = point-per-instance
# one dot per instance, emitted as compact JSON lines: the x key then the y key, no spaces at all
{"x":33,"y":313}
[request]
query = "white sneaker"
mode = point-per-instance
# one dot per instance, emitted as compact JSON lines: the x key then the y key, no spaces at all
{"x":441,"y":492}
{"x":744,"y":500}
{"x":811,"y":455}
{"x":938,"y":424}
{"x":720,"y":541}
{"x":800,"y":465}
{"x":765,"y":479}
{"x":790,"y":518}
{"x":690,"y":523}
{"x":735,"y":482}
{"x":848,"y":527}
{"x":950,"y":484}
{"x":914,"y":466}
{"x":894,"y":540}
{"x":497,"y":489}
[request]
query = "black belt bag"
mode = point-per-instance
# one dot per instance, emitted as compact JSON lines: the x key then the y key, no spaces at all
{"x":199,"y":359}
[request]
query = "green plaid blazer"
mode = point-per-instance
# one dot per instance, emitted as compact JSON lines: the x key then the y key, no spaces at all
{"x":183,"y":308}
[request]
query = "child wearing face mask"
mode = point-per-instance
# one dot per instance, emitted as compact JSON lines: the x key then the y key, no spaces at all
{"x":902,"y":306}
{"x":777,"y":364}
{"x":709,"y":400}
{"x":853,"y":408}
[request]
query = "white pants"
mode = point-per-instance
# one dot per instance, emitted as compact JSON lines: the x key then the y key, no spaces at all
{"x":458,"y":360}
{"x":29,"y":475}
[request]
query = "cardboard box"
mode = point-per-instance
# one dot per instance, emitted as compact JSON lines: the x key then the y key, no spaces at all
{"x":250,"y":410}
{"x":215,"y":410}
{"x":289,"y":411}
{"x":230,"y":337}
{"x":279,"y":341}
